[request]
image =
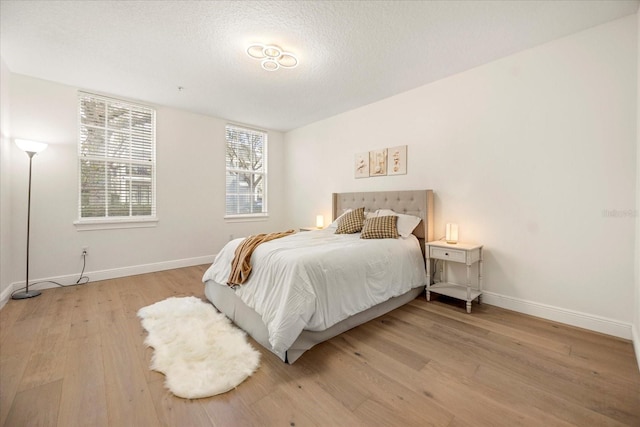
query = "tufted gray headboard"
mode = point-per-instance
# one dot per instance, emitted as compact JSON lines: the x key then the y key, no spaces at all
{"x":413,"y":202}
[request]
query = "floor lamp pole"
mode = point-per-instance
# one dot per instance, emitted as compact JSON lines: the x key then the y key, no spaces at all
{"x":27,"y":293}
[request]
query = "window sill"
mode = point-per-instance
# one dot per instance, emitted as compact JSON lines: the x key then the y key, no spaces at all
{"x":112,"y":224}
{"x":246,"y":218}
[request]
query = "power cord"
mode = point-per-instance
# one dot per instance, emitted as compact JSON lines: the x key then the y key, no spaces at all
{"x":78,"y":282}
{"x":84,"y":264}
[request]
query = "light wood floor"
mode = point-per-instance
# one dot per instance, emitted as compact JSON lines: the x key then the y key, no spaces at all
{"x":75,"y":357}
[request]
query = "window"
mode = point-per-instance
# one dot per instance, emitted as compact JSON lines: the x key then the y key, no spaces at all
{"x":246,"y":161}
{"x":117,"y":160}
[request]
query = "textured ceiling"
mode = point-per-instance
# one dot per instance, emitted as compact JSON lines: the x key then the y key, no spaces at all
{"x":351,"y":53}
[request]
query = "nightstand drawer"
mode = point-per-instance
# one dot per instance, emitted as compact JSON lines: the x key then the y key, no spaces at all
{"x":447,"y":254}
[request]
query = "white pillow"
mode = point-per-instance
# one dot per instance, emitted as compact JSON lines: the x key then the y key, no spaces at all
{"x":368,"y":215}
{"x":406,"y":223}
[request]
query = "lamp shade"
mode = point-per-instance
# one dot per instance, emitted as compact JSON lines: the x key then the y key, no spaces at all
{"x":30,"y":146}
{"x":320,"y":221}
{"x":451,"y":233}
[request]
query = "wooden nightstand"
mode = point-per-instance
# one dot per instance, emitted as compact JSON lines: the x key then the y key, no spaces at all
{"x":466,"y":253}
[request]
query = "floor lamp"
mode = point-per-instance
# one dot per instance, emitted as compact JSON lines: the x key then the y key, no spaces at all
{"x":31,"y":148}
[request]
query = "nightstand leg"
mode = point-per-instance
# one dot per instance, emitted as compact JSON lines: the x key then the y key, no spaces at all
{"x":428,"y":276}
{"x":480,"y":274}
{"x":468,"y":288}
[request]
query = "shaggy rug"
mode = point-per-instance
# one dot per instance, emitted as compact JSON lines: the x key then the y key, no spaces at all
{"x":197,"y":348}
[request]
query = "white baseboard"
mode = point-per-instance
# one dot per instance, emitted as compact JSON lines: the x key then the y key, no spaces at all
{"x":5,"y":295}
{"x":95,"y":276}
{"x":592,"y":322}
{"x":636,"y":342}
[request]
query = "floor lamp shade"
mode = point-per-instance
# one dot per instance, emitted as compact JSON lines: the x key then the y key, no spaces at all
{"x":31,"y":148}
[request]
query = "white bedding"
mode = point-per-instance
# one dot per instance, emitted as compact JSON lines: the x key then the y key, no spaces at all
{"x":312,"y":280}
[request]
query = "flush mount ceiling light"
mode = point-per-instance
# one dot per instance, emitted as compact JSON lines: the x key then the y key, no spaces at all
{"x":272,"y":57}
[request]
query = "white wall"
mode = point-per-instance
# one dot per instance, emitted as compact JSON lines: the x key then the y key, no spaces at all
{"x":636,"y":317}
{"x":190,"y":192}
{"x":5,"y":185}
{"x":533,"y":155}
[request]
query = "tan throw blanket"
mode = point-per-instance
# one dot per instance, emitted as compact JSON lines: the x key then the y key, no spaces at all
{"x":241,"y":264}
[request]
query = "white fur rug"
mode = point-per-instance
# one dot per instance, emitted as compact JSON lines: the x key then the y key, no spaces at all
{"x":198,"y":349}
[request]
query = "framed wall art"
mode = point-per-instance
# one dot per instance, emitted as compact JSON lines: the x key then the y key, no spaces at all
{"x":378,"y":162}
{"x":397,"y":160}
{"x":362,"y":165}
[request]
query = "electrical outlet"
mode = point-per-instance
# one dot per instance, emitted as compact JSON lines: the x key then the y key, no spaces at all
{"x":85,"y":251}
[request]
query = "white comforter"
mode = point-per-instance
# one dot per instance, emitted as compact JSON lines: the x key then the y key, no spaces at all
{"x":312,"y":280}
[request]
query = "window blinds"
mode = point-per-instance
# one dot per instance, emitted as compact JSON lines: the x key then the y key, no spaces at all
{"x":116,"y":153}
{"x":246,"y":171}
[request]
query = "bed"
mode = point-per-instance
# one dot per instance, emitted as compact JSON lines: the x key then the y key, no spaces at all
{"x":311,"y":318}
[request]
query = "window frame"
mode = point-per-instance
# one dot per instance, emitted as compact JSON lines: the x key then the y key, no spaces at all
{"x":117,"y":221}
{"x":254,"y":216}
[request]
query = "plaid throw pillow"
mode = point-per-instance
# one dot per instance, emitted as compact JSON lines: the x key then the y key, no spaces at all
{"x":351,"y":222}
{"x":380,"y":227}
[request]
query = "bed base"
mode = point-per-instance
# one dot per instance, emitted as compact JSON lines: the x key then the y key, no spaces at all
{"x":226,"y":301}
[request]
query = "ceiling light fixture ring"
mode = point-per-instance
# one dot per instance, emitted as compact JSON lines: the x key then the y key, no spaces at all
{"x":272,"y":51}
{"x":256,"y":51}
{"x":270,"y":64}
{"x":288,"y":60}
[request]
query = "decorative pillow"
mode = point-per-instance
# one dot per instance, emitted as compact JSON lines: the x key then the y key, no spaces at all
{"x":380,"y":227}
{"x":351,"y":222}
{"x":406,"y":223}
{"x":334,"y":224}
